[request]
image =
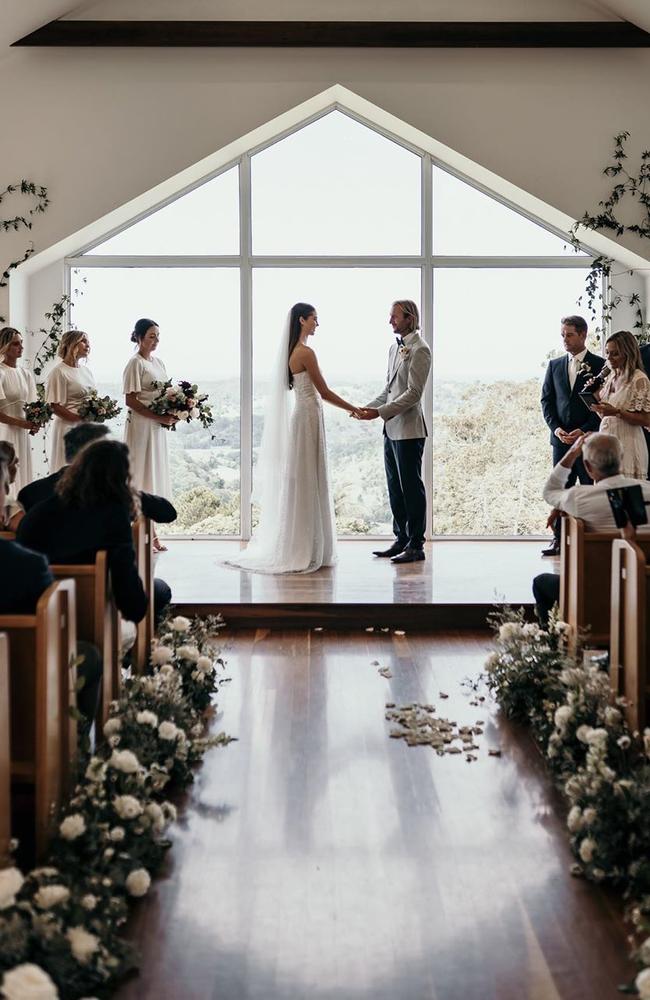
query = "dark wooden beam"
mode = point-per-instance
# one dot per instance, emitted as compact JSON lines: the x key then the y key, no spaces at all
{"x":341,"y":34}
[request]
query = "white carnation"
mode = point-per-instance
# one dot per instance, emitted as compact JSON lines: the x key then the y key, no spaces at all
{"x":111,"y":727}
{"x":147,"y":718}
{"x":167,"y":730}
{"x":138,"y":882}
{"x":205,"y":665}
{"x":587,"y":849}
{"x":180,"y":624}
{"x":72,"y":826}
{"x":161,"y":654}
{"x":51,"y":895}
{"x":190,"y":653}
{"x":117,"y":834}
{"x":574,"y":819}
{"x":11,"y":881}
{"x":28,"y":982}
{"x":124,"y":760}
{"x":83,"y":944}
{"x":642,"y":983}
{"x":127,"y":806}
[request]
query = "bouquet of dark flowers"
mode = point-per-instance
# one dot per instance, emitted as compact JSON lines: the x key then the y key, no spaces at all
{"x":98,"y":409}
{"x":40,"y":412}
{"x":182,"y":401}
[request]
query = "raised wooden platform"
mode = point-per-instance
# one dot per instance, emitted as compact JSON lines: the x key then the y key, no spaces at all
{"x":455,"y":587}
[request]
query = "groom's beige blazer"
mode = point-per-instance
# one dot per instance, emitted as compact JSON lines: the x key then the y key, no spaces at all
{"x":400,"y":402}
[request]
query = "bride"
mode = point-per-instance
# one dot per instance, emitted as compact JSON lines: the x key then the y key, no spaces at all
{"x":296,"y":533}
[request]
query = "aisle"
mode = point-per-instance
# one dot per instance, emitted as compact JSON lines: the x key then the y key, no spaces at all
{"x":317,"y":858}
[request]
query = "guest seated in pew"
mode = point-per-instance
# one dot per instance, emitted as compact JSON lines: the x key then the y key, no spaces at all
{"x":11,"y":511}
{"x":92,"y":509}
{"x":24,"y":576}
{"x":602,"y":455}
{"x":154,"y":507}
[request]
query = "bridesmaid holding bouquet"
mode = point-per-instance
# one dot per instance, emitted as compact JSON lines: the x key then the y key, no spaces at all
{"x":17,"y":387}
{"x":145,"y":432}
{"x":67,"y":385}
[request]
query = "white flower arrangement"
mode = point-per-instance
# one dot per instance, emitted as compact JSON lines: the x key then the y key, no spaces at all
{"x":180,"y":624}
{"x":161,"y":654}
{"x":11,"y":882}
{"x":125,"y":761}
{"x":127,"y":806}
{"x":49,"y":896}
{"x":73,"y":826}
{"x":188,"y":653}
{"x":111,"y":727}
{"x":168,"y":731}
{"x":83,"y":944}
{"x":147,"y":718}
{"x":138,"y":882}
{"x":28,"y":982}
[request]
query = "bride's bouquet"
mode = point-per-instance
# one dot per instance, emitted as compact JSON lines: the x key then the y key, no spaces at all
{"x":40,"y":412}
{"x":182,"y":401}
{"x":98,"y":409}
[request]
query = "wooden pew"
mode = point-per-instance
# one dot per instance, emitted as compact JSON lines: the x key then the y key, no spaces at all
{"x":42,"y":690}
{"x":143,"y":544}
{"x":5,"y":753}
{"x":585,"y":579}
{"x":630,"y":630}
{"x":98,"y":621}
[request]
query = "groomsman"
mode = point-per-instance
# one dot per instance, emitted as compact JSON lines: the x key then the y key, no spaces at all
{"x":399,"y":405}
{"x":565,"y":413}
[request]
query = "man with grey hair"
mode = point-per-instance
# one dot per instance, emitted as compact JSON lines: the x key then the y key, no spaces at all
{"x":602,"y":454}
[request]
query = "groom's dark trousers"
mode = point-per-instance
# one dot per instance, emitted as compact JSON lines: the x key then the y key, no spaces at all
{"x":408,"y":503}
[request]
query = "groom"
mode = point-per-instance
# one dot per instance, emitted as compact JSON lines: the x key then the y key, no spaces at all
{"x":400,"y":407}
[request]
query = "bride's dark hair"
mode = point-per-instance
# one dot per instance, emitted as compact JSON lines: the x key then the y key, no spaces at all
{"x":301,"y":310}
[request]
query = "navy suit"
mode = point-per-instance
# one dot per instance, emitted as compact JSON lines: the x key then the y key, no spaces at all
{"x":563,"y":408}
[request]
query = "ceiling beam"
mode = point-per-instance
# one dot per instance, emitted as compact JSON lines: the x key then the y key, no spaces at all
{"x":340,"y":34}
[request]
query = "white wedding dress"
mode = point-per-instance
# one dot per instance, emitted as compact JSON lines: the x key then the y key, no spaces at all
{"x":297,"y":532}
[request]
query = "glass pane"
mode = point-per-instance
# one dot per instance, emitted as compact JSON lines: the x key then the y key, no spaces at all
{"x":491,"y":445}
{"x":204,"y":221}
{"x":467,"y":222}
{"x":352,"y":343}
{"x":198,"y":313}
{"x":336,"y":187}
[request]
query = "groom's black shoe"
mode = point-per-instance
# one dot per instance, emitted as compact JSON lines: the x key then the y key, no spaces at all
{"x":394,"y":550}
{"x":409,"y":555}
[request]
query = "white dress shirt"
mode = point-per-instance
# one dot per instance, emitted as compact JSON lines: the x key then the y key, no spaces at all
{"x":574,"y":363}
{"x":590,"y":503}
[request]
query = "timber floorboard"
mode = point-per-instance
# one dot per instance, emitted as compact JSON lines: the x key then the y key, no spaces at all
{"x":318,"y":858}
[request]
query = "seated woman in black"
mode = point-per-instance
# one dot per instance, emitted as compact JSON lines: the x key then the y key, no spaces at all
{"x":92,"y":509}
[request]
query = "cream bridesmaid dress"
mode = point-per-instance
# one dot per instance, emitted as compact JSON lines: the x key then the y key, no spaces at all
{"x":17,"y":387}
{"x":66,"y":386}
{"x":147,"y":439}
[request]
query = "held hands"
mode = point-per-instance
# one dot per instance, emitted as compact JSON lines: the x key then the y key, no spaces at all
{"x":364,"y":413}
{"x":567,"y":437}
{"x":168,"y":420}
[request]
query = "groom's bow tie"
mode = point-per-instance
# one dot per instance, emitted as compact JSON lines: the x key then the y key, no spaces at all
{"x":400,"y":341}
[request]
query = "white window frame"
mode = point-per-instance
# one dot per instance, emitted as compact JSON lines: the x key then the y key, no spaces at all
{"x":426,"y":261}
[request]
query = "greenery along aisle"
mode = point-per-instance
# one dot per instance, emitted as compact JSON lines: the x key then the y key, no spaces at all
{"x":602,"y":767}
{"x":60,"y":924}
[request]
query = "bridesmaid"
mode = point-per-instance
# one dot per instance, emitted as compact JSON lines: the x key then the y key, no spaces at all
{"x":67,"y":384}
{"x":145,"y":431}
{"x":17,"y":387}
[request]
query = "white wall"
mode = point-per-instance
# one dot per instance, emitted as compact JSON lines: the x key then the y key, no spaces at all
{"x":99,"y":127}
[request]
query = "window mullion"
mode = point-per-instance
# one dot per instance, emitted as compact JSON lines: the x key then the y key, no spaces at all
{"x":246,"y":372}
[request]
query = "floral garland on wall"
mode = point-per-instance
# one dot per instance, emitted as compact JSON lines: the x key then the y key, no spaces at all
{"x":60,"y":924}
{"x":601,"y":766}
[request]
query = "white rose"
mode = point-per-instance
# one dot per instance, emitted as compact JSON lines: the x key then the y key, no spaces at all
{"x":642,"y":983}
{"x":188,"y":653}
{"x":644,"y":952}
{"x":11,"y":881}
{"x":204,"y":665}
{"x":111,"y":727}
{"x":583,"y":732}
{"x":124,"y":760}
{"x":72,"y":827}
{"x":89,"y":902}
{"x":161,"y":654}
{"x":589,"y":816}
{"x":138,"y":882}
{"x":117,"y":834}
{"x":180,"y":624}
{"x":127,"y":806}
{"x":194,"y":412}
{"x":574,"y":819}
{"x":509,"y":630}
{"x":147,"y":718}
{"x":28,"y":982}
{"x":562,"y":716}
{"x":82,"y":944}
{"x":167,"y":730}
{"x":184,"y":415}
{"x":51,"y":895}
{"x":587,"y":850}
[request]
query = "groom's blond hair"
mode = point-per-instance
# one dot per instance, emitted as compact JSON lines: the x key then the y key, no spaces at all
{"x":411,"y":312}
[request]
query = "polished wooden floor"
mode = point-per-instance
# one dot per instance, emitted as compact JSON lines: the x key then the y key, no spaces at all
{"x":318,"y":858}
{"x":457,"y":584}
